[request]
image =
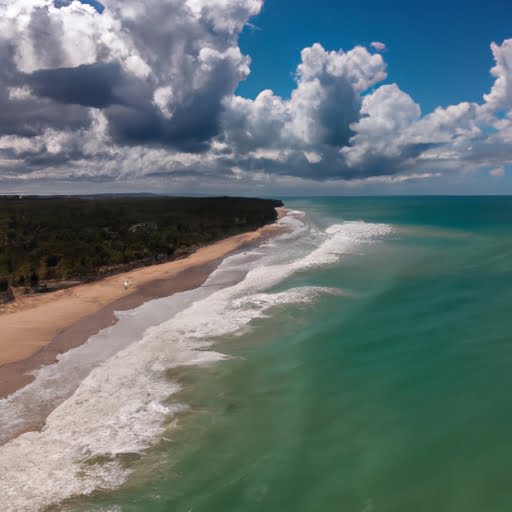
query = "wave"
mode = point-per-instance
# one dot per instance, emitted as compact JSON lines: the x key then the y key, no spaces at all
{"x":53,"y":384}
{"x":124,"y":404}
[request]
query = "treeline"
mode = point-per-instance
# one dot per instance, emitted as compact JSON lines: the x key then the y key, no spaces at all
{"x":66,"y":238}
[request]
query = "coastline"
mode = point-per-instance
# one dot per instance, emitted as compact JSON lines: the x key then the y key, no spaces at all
{"x":54,"y":323}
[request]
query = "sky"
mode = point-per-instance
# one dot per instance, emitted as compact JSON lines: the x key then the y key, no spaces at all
{"x":438,"y":51}
{"x":256,"y":98}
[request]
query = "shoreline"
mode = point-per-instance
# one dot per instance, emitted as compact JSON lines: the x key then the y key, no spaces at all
{"x":53,"y":323}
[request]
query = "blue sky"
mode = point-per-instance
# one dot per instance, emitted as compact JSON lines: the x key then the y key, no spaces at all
{"x":256,"y":97}
{"x":97,"y":5}
{"x":438,"y":51}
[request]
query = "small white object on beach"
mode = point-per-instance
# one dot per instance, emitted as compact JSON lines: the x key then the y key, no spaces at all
{"x":126,"y":284}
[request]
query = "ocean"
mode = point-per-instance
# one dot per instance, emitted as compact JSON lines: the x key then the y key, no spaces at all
{"x":359,"y":362}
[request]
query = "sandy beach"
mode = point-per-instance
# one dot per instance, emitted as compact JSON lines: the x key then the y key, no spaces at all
{"x":37,"y":328}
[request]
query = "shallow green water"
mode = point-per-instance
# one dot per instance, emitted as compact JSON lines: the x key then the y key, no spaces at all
{"x":392,"y":398}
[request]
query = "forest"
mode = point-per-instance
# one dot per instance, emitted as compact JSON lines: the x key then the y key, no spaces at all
{"x":45,"y":242}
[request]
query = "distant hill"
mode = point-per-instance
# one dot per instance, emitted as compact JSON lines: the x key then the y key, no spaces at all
{"x":47,"y":242}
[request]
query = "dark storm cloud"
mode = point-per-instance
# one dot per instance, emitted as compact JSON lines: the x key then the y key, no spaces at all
{"x":91,"y":85}
{"x":190,"y":128}
{"x":31,"y":117}
{"x":133,"y":117}
{"x":146,"y":126}
{"x":338,"y":111}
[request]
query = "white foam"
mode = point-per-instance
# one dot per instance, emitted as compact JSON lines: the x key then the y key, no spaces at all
{"x":122,"y":406}
{"x":261,"y":302}
{"x":54,"y":383}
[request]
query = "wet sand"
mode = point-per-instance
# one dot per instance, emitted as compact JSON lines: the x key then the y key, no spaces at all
{"x":36,"y":329}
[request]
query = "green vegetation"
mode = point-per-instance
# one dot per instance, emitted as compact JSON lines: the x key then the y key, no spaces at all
{"x":69,"y":238}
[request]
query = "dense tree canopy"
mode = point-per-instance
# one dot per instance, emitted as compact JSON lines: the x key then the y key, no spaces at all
{"x":59,"y":238}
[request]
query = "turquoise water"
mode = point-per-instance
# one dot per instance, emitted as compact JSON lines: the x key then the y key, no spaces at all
{"x":391,"y":395}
